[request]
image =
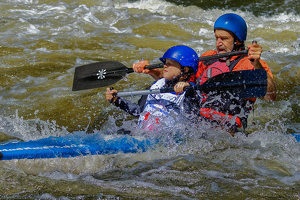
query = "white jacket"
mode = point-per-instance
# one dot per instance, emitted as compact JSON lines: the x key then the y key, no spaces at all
{"x":161,"y":108}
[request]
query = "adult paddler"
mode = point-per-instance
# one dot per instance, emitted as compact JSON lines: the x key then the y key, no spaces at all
{"x":230,"y":32}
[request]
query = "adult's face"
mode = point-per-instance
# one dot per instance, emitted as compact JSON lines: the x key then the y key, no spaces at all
{"x":172,"y":69}
{"x":224,"y":41}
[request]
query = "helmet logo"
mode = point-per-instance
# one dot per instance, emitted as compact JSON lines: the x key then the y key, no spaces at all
{"x":101,"y":74}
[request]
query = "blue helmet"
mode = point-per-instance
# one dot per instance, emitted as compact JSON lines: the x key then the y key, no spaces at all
{"x":233,"y":23}
{"x":184,"y":55}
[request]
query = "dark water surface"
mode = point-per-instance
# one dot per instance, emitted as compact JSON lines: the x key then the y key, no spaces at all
{"x":257,"y":7}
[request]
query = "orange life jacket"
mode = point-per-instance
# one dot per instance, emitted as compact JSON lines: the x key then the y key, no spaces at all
{"x":243,"y":64}
{"x":221,"y":109}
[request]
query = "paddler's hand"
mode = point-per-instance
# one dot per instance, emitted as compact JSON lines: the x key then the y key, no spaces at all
{"x":140,"y":68}
{"x":111,"y":95}
{"x":179,"y":87}
{"x":254,"y":53}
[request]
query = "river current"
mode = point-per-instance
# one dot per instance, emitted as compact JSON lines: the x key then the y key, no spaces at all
{"x":43,"y":41}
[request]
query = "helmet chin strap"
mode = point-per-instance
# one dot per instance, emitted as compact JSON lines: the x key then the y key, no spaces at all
{"x":185,"y":74}
{"x":238,"y":47}
{"x":235,"y":47}
{"x":180,"y":77}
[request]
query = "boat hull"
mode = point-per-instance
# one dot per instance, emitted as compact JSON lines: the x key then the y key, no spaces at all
{"x":72,"y":146}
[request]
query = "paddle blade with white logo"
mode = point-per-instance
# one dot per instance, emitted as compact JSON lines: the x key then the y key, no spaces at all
{"x":98,"y":74}
{"x":102,"y":74}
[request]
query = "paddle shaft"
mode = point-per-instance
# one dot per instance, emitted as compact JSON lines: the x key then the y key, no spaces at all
{"x":161,"y":65}
{"x":210,"y":86}
{"x":154,"y":66}
{"x":247,"y":83}
{"x":223,"y":55}
{"x":144,"y":92}
{"x":204,"y":58}
{"x":129,"y":70}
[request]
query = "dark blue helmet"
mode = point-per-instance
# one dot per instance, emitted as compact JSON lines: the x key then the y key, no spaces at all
{"x":233,"y":23}
{"x":184,"y":55}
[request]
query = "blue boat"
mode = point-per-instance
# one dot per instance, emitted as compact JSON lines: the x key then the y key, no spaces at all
{"x":71,"y":146}
{"x":297,"y":136}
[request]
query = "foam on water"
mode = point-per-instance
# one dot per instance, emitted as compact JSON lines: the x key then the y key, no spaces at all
{"x":150,"y":5}
{"x":33,"y":129}
{"x":179,"y":168}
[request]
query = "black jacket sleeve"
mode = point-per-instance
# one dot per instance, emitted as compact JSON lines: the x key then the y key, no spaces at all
{"x":131,"y":108}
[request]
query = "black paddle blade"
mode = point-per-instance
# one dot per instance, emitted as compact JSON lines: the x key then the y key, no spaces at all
{"x":98,"y":74}
{"x":244,"y":84}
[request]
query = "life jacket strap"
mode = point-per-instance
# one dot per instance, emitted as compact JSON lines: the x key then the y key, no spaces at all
{"x":235,"y":62}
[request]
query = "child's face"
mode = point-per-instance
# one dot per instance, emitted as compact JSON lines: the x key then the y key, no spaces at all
{"x":172,"y":69}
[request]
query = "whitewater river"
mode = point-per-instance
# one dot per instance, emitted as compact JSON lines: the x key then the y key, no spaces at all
{"x":41,"y":43}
